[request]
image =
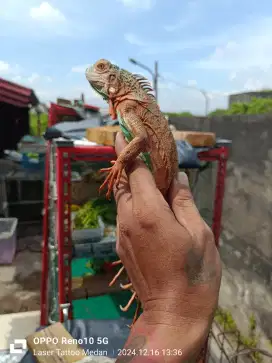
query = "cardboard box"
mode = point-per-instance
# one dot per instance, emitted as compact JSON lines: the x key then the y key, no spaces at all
{"x":54,"y":341}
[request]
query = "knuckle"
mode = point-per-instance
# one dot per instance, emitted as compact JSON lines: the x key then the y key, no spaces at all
{"x":124,"y":230}
{"x":118,"y":249}
{"x":146,"y":217}
{"x":184,"y":198}
{"x":207,"y":234}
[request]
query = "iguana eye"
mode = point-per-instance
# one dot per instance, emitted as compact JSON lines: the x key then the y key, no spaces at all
{"x":102,"y":65}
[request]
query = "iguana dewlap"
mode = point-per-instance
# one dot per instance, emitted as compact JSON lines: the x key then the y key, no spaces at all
{"x":143,"y":125}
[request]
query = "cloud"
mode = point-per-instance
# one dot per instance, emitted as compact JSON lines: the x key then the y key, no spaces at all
{"x":37,"y":79}
{"x":4,"y":67}
{"x":16,"y":79}
{"x":171,"y":47}
{"x":80,"y":68}
{"x":7,"y":69}
{"x":17,"y":74}
{"x":192,"y":83}
{"x":33,"y":78}
{"x":234,"y":48}
{"x":138,"y":4}
{"x":243,"y":58}
{"x":43,"y":20}
{"x":232,"y":75}
{"x":50,"y":94}
{"x":249,"y":47}
{"x":167,"y":79}
{"x":47,"y":12}
{"x":135,"y":40}
{"x":167,"y":85}
{"x":177,"y":99}
{"x":252,"y":80}
{"x":253,"y":84}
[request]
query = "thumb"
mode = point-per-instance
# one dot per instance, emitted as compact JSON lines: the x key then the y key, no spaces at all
{"x":181,"y":200}
{"x":120,"y":143}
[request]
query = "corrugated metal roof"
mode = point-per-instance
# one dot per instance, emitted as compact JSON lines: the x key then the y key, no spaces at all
{"x":16,"y":95}
{"x":90,"y":107}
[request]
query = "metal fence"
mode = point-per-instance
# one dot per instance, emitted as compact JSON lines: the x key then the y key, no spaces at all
{"x":228,"y":345}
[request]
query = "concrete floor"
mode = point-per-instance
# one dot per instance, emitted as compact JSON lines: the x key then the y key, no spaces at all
{"x":20,"y":282}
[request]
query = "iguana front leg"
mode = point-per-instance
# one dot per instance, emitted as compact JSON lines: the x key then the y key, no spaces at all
{"x":130,"y":152}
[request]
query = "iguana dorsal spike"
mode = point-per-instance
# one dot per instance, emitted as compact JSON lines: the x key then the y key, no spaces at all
{"x":136,"y":75}
{"x":144,"y":84}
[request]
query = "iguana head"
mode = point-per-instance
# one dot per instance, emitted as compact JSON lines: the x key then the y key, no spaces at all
{"x":110,"y":81}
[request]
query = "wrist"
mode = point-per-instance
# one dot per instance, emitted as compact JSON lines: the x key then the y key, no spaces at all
{"x":160,"y":342}
{"x":182,"y":311}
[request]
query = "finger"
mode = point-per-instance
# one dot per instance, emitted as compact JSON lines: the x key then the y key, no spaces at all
{"x":181,"y":201}
{"x":120,"y":143}
{"x":142,"y":184}
{"x":121,"y":193}
{"x":141,"y":181}
{"x":122,"y":196}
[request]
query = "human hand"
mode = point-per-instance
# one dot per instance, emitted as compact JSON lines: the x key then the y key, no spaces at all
{"x":166,"y":247}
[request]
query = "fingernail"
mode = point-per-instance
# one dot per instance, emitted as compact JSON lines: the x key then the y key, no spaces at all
{"x":183,"y":179}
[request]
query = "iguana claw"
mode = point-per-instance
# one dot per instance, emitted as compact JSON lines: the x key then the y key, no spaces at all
{"x":115,"y":173}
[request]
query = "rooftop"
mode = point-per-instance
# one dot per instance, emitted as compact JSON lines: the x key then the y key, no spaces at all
{"x":17,"y":95}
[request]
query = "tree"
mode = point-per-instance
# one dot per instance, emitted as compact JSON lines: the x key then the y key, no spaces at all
{"x":255,"y":107}
{"x":179,"y":114}
{"x":218,"y":112}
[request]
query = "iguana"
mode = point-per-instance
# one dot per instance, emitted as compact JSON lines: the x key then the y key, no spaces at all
{"x":144,"y":127}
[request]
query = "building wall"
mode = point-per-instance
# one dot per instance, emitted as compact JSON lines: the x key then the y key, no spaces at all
{"x":246,"y":240}
{"x":247,"y":96}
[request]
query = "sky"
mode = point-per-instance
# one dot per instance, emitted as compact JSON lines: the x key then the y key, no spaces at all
{"x":219,"y":47}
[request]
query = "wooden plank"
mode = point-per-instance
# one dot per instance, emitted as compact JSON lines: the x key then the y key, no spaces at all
{"x":195,"y":138}
{"x":88,"y":286}
{"x":54,"y":344}
{"x":103,"y":135}
{"x":106,"y":136}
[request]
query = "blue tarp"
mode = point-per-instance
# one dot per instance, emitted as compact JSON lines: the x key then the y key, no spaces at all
{"x":188,"y":155}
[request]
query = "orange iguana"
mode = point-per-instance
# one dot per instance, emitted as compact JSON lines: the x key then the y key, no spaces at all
{"x":143,"y":125}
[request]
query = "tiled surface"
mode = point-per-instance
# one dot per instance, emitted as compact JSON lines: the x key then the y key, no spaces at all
{"x":17,"y":326}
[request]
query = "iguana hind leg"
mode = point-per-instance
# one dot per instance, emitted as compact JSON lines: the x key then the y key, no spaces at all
{"x":125,"y":308}
{"x":126,"y":286}
{"x":136,"y":315}
{"x":116,"y":276}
